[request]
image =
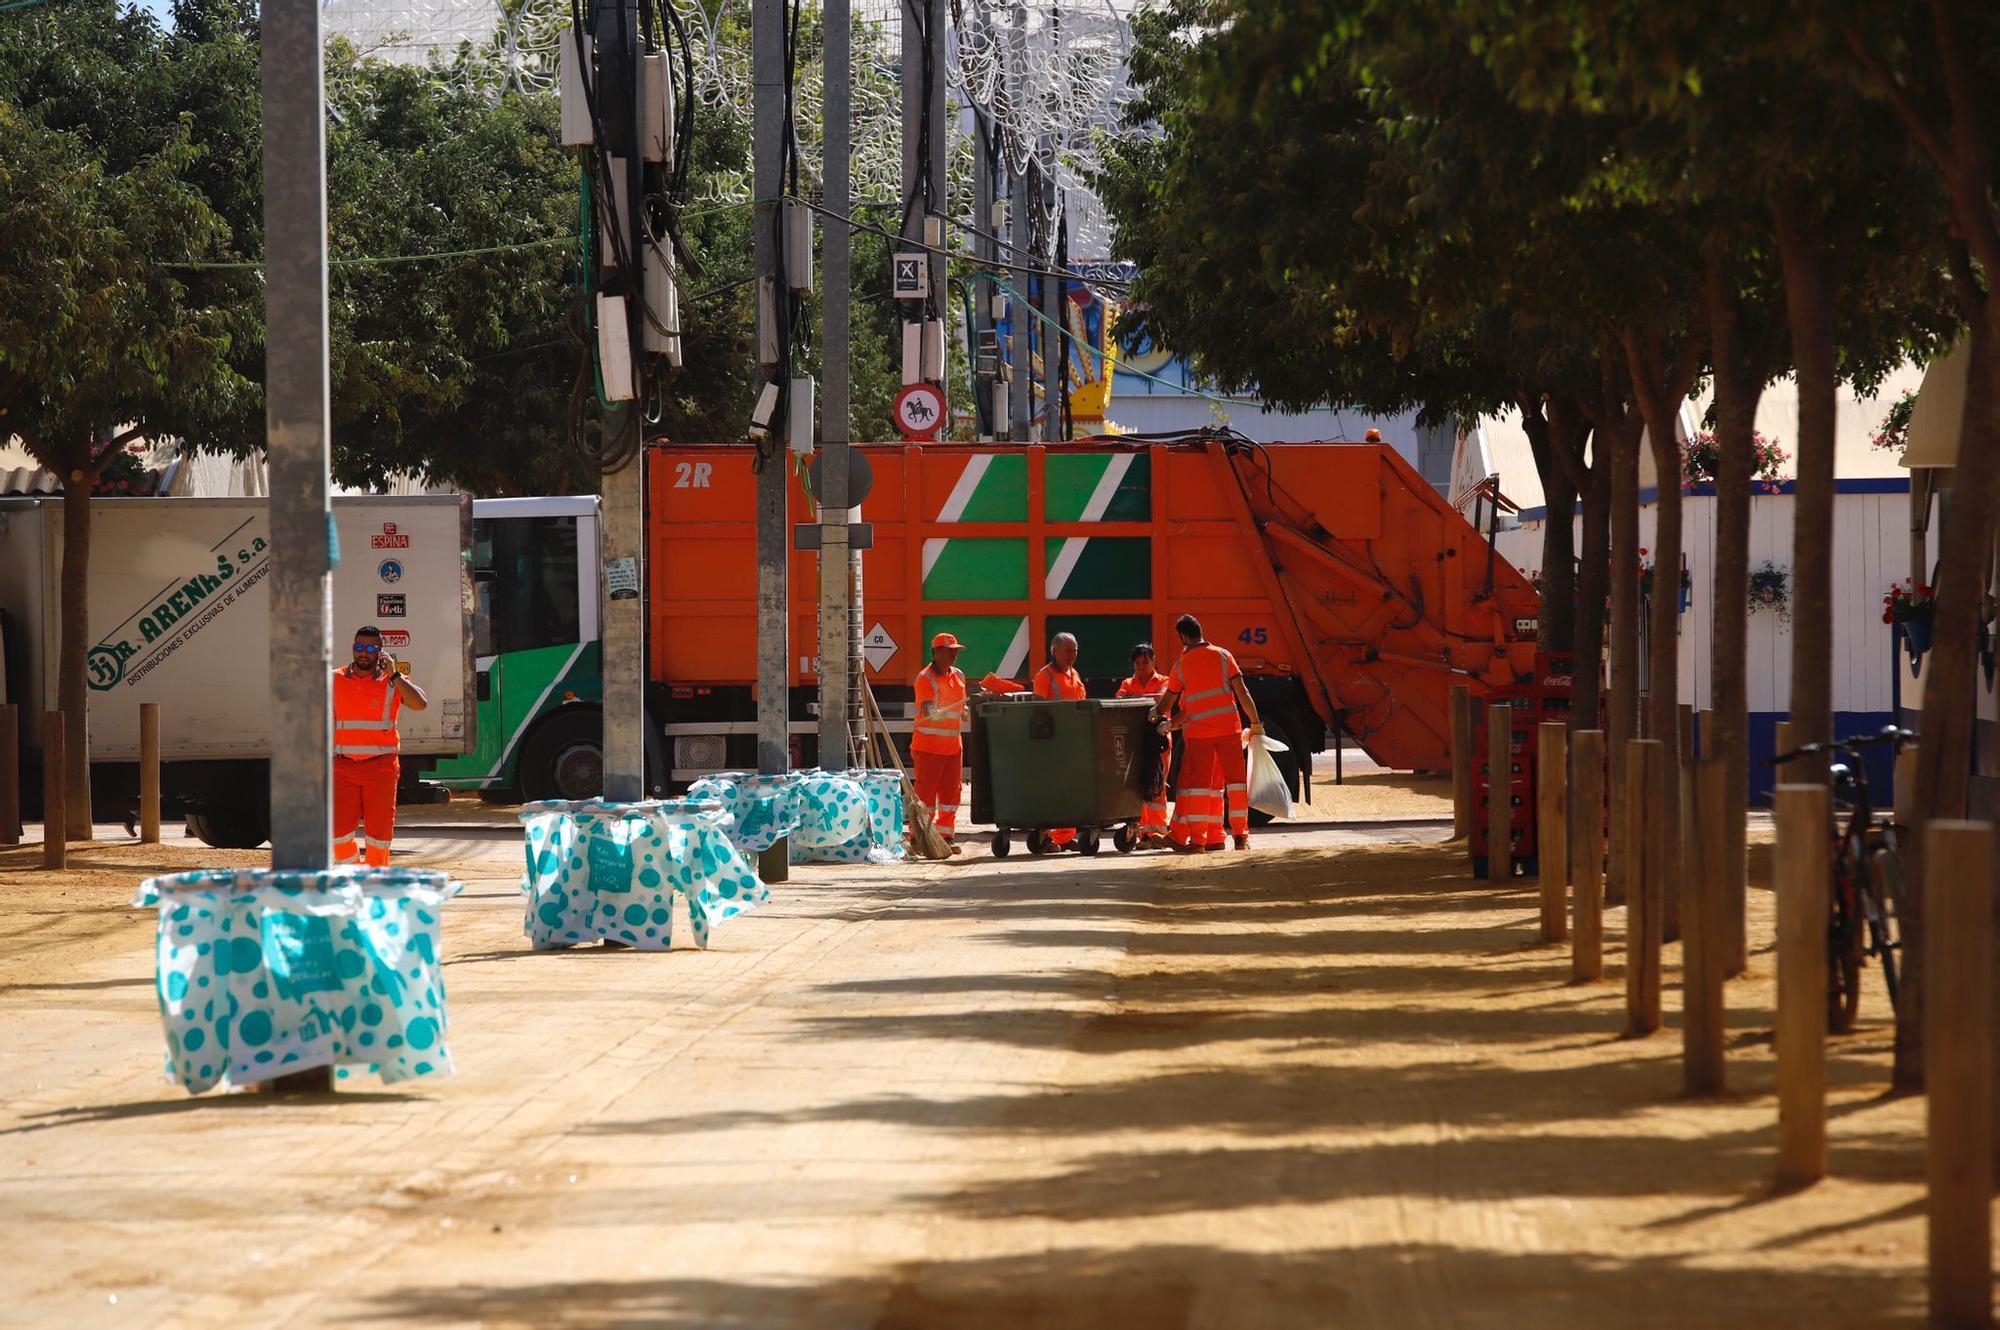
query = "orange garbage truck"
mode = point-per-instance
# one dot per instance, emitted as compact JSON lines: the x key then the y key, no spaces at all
{"x":1351,"y":592}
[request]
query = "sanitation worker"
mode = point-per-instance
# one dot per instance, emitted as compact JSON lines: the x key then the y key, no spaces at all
{"x":1145,"y":681}
{"x":1059,"y":682}
{"x":937,"y":742}
{"x":1206,"y":688}
{"x":367,"y":694}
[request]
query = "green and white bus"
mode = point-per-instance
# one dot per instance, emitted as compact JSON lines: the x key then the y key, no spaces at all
{"x":535,"y":641}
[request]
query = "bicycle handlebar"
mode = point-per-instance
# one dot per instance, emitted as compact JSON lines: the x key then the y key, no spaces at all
{"x":1851,"y":746}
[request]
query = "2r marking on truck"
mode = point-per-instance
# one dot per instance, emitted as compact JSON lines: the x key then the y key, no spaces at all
{"x":112,"y":660}
{"x":693,"y":475}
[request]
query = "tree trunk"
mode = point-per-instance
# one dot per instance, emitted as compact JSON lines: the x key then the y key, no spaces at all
{"x":1663,"y":702}
{"x":1624,"y":719}
{"x":1809,"y":314}
{"x":1559,"y":610}
{"x":1738,"y":385}
{"x":1592,"y":585}
{"x":1945,"y":732}
{"x":72,"y":689}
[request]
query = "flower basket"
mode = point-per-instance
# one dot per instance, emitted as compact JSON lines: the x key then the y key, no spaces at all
{"x":1701,"y":461}
{"x":1908,"y":607}
{"x":1771,"y":591}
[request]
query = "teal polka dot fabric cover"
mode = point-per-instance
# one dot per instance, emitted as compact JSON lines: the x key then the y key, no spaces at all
{"x":601,"y":871}
{"x":757,"y":809}
{"x":265,"y":972}
{"x":879,"y":839}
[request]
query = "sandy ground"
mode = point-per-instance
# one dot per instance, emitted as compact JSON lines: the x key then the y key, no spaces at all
{"x":1330,"y":1083}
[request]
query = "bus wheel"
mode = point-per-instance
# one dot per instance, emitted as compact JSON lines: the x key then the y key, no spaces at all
{"x":565,"y":758}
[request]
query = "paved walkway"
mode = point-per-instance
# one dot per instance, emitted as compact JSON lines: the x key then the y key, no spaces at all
{"x":1329,"y":1083}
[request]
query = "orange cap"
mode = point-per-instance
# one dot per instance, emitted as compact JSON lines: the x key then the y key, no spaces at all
{"x":946,"y":640}
{"x":1372,"y":436}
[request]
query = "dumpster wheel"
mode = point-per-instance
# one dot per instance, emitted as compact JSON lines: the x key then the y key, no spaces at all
{"x":1125,"y":839}
{"x":1003,"y":843}
{"x":1088,"y":841}
{"x":1039,"y":843}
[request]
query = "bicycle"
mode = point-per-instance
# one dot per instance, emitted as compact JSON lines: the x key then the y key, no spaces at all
{"x":1867,"y":880}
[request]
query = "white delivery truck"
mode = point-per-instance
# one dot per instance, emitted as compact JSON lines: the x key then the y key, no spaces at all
{"x":180,"y":615}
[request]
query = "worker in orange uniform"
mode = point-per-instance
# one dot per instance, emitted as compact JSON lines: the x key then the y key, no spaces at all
{"x":937,"y":741}
{"x":1145,"y":681}
{"x":1058,"y":681}
{"x":1207,"y":688}
{"x":367,"y":694}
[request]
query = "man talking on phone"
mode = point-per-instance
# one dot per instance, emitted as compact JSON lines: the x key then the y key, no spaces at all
{"x":367,"y":694}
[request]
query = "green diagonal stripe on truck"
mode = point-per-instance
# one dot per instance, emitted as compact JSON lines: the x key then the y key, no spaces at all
{"x":1097,"y":487}
{"x":1098,"y":568}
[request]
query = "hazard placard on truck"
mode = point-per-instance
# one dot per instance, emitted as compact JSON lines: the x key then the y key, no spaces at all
{"x":179,"y":615}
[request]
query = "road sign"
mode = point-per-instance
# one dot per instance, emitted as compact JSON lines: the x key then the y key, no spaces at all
{"x":879,"y":647}
{"x":919,"y":412}
{"x":860,"y":475}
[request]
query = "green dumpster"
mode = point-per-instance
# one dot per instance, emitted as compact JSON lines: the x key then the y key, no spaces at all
{"x":1038,"y":765}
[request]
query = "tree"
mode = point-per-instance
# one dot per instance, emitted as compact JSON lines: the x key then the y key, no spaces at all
{"x":101,"y":343}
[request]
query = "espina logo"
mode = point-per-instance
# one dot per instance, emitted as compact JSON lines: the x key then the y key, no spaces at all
{"x":168,"y":618}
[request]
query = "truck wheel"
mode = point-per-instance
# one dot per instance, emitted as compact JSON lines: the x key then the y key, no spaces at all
{"x":231,"y":826}
{"x":565,"y":758}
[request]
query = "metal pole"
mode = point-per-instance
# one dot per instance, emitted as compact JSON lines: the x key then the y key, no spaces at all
{"x":982,"y":292}
{"x":296,"y":413}
{"x":1020,"y":316}
{"x":836,"y":581}
{"x":1055,"y":348}
{"x":938,"y":188}
{"x":767,"y":39}
{"x":149,"y":773}
{"x":10,"y":774}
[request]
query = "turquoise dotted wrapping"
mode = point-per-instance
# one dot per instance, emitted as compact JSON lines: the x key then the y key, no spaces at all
{"x":880,"y":837}
{"x":265,"y":972}
{"x":601,"y":871}
{"x":758,"y":809}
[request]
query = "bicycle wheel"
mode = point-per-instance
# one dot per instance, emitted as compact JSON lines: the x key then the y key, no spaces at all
{"x":1884,"y":890}
{"x":1844,"y":948}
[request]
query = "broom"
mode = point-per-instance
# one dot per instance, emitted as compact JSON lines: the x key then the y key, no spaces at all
{"x":924,"y":835}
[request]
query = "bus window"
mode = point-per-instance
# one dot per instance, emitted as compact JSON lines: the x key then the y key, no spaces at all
{"x":526,"y":569}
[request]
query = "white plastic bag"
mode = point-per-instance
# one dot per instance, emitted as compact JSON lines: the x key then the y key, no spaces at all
{"x":1268,"y":791}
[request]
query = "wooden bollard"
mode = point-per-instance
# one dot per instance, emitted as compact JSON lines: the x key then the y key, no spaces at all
{"x":1645,"y":836}
{"x":1958,"y":1063}
{"x":1704,"y":941}
{"x":1586,"y":844}
{"x":1781,"y":743}
{"x":1552,"y":827}
{"x":1800,"y":878}
{"x":1614,"y":824}
{"x":1704,"y":734}
{"x":1499,"y":792}
{"x":149,"y":773}
{"x":1461,"y":761}
{"x":10,"y":774}
{"x":55,"y":781}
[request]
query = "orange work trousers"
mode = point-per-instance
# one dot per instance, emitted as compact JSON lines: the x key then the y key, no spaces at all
{"x":1214,"y":791}
{"x":364,"y":800}
{"x":937,"y":779}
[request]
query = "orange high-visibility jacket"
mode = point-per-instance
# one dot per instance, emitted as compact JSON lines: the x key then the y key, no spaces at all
{"x":1153,"y":687}
{"x":364,"y":715}
{"x":941,"y":730}
{"x":1062,"y":685}
{"x":1202,"y":677}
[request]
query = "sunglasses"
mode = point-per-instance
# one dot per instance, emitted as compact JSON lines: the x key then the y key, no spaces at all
{"x":367,"y":650}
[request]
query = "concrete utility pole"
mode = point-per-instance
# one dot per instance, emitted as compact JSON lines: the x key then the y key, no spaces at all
{"x":839,"y":616}
{"x":296,"y":415}
{"x":774,"y":738}
{"x":622,"y":492}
